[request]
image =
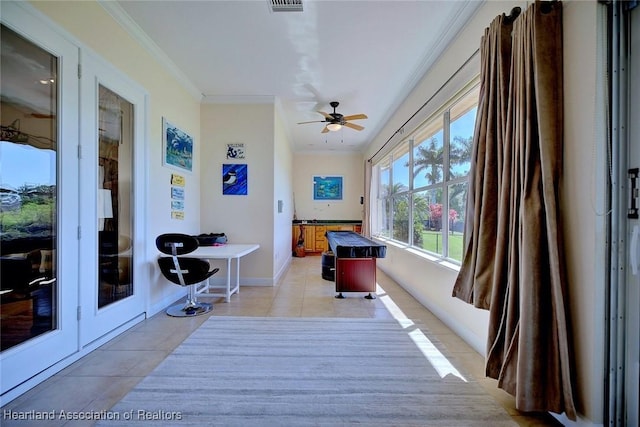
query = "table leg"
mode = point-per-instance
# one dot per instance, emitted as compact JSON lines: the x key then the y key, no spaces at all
{"x":228,"y":279}
{"x":238,"y":275}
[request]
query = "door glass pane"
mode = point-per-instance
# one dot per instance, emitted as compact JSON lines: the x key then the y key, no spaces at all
{"x":28,"y":189}
{"x":115,"y":219}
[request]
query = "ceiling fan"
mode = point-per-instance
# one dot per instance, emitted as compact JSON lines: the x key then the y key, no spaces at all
{"x":335,"y":121}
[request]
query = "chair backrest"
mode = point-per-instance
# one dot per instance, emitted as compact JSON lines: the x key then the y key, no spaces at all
{"x":176,"y":243}
{"x":178,"y":269}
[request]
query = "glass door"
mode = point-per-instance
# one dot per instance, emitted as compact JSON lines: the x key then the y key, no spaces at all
{"x":38,"y":203}
{"x":112,"y":169}
{"x":114,"y":213}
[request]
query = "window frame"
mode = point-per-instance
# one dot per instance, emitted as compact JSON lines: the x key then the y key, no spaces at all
{"x":438,"y":121}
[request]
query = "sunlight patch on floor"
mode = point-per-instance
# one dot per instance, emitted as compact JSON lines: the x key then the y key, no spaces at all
{"x":438,"y":360}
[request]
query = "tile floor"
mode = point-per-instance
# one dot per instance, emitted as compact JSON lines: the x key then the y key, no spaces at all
{"x":100,"y":379}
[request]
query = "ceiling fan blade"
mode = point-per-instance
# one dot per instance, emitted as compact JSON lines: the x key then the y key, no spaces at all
{"x":353,"y":126}
{"x":326,"y":115}
{"x":355,"y":117}
{"x":314,"y":121}
{"x":325,"y":130}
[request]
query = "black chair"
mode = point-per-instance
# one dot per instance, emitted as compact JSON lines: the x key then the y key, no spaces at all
{"x":115,"y":264}
{"x":184,"y":271}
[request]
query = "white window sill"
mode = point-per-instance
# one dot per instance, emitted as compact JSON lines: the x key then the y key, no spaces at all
{"x":420,"y":254}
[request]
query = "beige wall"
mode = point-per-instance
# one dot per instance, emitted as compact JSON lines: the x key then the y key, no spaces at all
{"x":583,"y":203}
{"x":253,"y":218}
{"x":283,"y":191}
{"x":349,"y":165}
{"x":250,"y":218}
{"x":583,"y":189}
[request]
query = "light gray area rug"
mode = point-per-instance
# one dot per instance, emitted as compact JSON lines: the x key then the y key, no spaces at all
{"x":248,"y":371}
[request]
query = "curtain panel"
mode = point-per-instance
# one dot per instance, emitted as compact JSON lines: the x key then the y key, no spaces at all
{"x":514,"y":262}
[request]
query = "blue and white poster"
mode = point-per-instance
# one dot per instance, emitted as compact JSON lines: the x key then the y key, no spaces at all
{"x":178,"y":147}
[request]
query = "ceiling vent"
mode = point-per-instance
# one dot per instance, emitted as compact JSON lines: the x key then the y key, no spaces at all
{"x":286,"y":5}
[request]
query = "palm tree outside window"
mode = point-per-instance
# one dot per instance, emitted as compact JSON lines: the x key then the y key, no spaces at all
{"x":423,"y":182}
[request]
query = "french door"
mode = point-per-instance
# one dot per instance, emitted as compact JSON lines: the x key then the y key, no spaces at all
{"x":39,"y":203}
{"x":72,"y":176}
{"x":112,"y":136}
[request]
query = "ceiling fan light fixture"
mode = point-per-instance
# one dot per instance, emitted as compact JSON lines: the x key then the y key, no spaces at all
{"x":336,"y":121}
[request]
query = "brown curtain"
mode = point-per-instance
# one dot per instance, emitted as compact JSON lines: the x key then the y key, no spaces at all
{"x":514,"y":259}
{"x":475,"y":280}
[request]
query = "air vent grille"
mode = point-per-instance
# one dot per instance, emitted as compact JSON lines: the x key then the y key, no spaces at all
{"x":286,"y":5}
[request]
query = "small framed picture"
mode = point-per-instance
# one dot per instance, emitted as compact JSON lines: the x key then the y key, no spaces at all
{"x":177,"y":193}
{"x":327,"y":188}
{"x":235,"y":151}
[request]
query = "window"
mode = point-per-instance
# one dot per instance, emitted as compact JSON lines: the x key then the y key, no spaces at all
{"x":422,"y":184}
{"x":399,"y":194}
{"x":382,"y":225}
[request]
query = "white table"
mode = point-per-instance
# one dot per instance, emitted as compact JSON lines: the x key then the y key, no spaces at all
{"x":228,"y":252}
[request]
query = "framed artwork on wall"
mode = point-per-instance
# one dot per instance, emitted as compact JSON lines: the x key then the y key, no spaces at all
{"x":327,"y":188}
{"x":234,"y":179}
{"x":235,"y":151}
{"x":177,"y":147}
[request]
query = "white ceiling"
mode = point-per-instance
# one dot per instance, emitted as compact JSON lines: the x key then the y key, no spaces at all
{"x":365,"y":54}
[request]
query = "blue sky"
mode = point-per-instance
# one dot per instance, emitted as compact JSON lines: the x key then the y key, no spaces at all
{"x":463,"y":126}
{"x":23,"y":164}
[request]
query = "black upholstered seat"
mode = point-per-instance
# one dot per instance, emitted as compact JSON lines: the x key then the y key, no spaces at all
{"x":184,"y":271}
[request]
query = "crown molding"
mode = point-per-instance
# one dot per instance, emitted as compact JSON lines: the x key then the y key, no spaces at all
{"x":126,"y":22}
{"x":456,"y":22}
{"x":458,"y":19}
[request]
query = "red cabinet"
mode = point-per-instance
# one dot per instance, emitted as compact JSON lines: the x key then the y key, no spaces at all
{"x":355,"y":275}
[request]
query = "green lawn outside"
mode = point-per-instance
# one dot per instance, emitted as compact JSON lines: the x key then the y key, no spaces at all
{"x":29,"y":220}
{"x":432,"y":242}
